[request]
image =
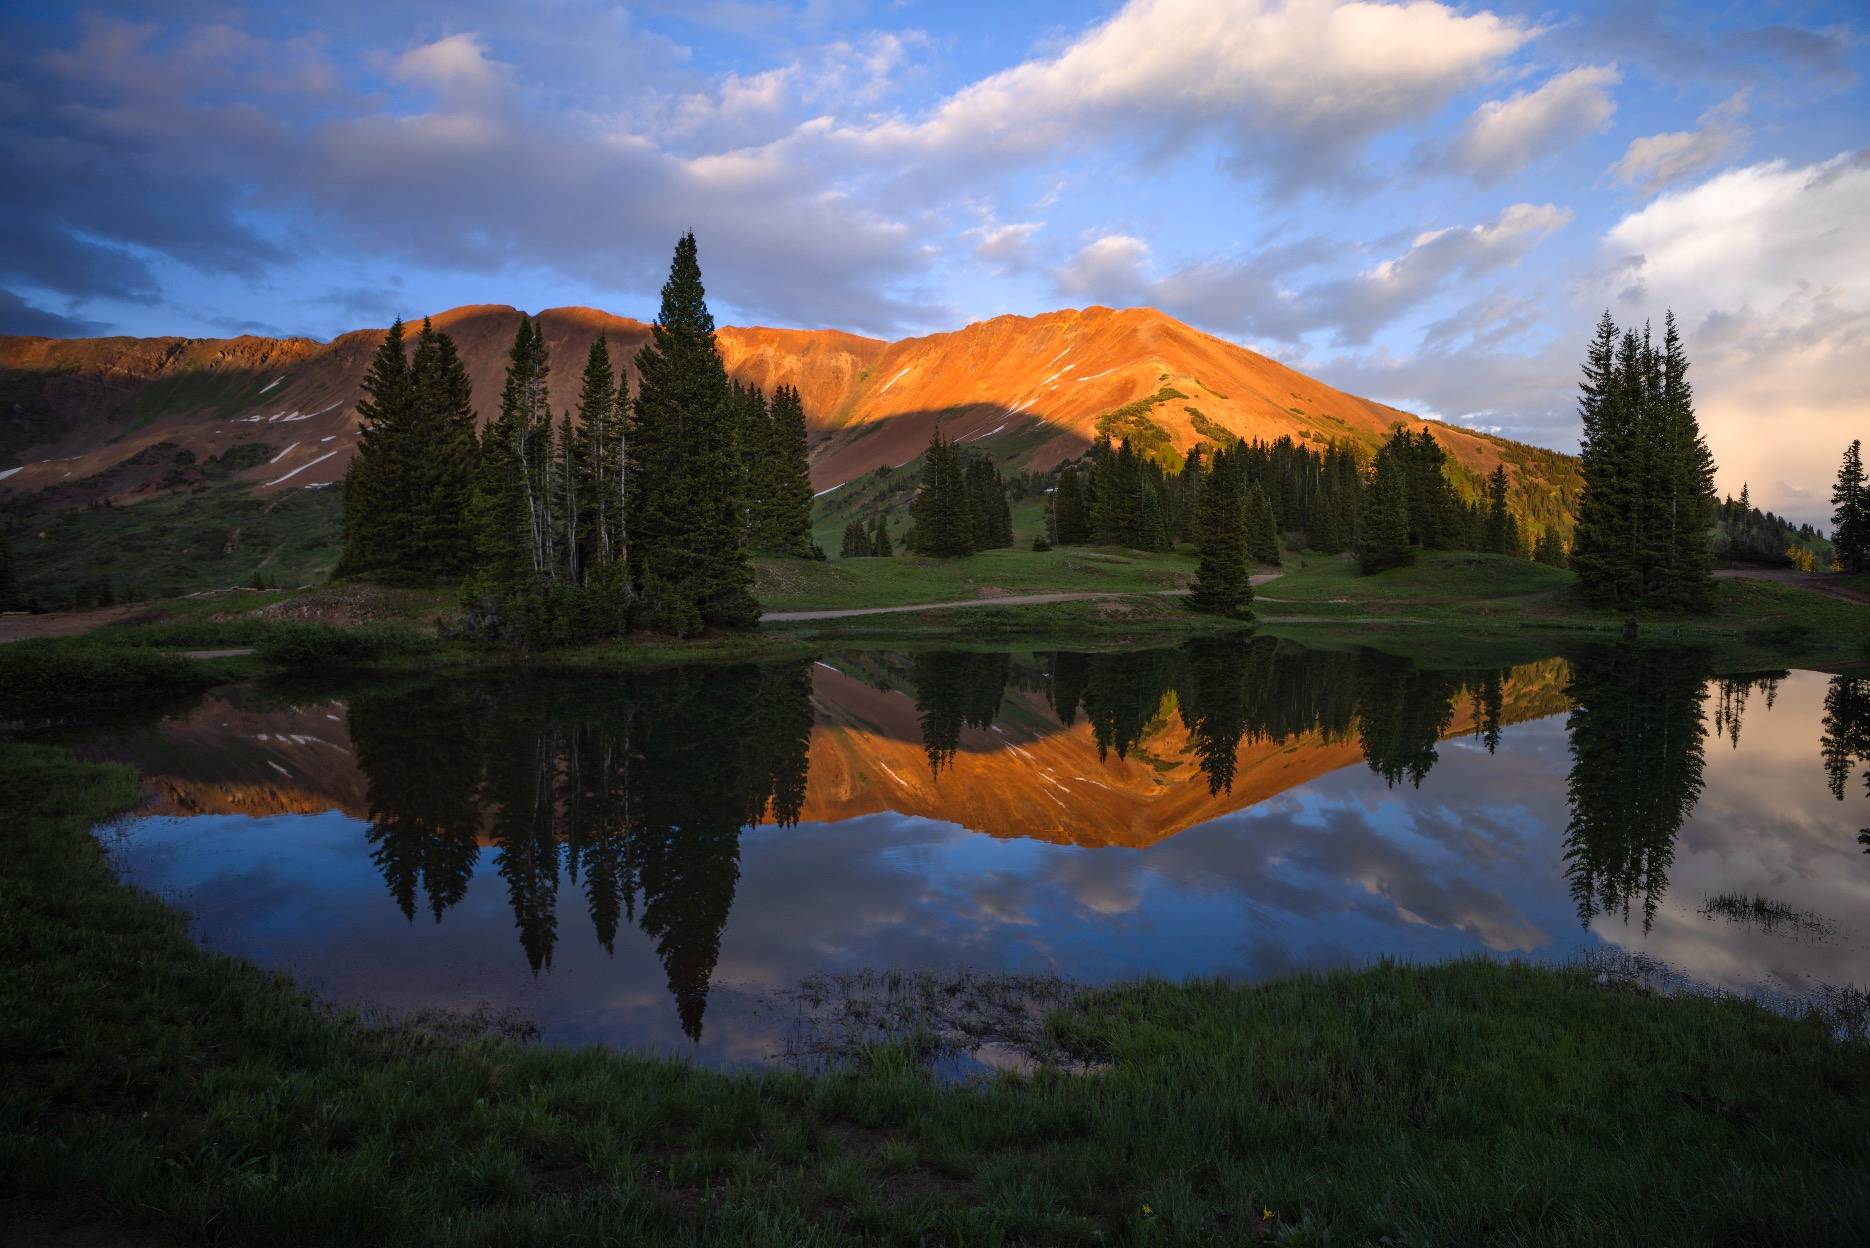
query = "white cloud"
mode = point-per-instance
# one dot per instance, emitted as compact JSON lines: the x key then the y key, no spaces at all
{"x":1257,"y":295}
{"x":1657,"y":161}
{"x":1768,"y":270}
{"x":1292,"y":91}
{"x":1505,"y":136}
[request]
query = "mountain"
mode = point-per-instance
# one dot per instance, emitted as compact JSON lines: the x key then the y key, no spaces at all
{"x":85,"y":422}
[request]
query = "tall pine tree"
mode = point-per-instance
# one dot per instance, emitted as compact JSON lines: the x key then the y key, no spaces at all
{"x":1850,"y":521}
{"x":688,"y":541}
{"x":374,"y":532}
{"x":1223,"y":583}
{"x":1383,"y":523}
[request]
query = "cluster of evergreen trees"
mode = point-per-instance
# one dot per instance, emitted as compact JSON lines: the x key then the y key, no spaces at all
{"x":1745,"y":534}
{"x":863,"y":541}
{"x":633,"y":512}
{"x":1648,"y":505}
{"x":1235,"y":502}
{"x":1850,"y":522}
{"x":961,"y":504}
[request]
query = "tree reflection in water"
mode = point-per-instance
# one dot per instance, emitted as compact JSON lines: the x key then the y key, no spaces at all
{"x":1636,"y":732}
{"x":636,"y":789}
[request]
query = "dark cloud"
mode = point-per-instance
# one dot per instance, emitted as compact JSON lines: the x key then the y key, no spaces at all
{"x":19,"y":317}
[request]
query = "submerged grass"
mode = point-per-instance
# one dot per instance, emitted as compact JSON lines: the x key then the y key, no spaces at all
{"x":1464,"y":1103}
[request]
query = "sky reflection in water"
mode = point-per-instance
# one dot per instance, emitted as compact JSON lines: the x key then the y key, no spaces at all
{"x":1322,"y":853}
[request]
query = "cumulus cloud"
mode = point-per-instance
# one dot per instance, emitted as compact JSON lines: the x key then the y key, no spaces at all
{"x":1505,"y":136}
{"x":1292,"y":91}
{"x":1768,"y":269}
{"x":1259,"y":295}
{"x":1656,"y":161}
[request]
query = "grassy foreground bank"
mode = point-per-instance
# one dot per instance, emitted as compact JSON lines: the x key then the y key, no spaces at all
{"x":155,"y":1084}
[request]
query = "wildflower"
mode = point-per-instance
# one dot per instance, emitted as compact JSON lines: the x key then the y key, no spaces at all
{"x":1267,"y":1214}
{"x":1147,"y":1211}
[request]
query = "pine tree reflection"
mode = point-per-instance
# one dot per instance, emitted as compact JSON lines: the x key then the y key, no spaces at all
{"x":1636,"y":734}
{"x":636,"y":788}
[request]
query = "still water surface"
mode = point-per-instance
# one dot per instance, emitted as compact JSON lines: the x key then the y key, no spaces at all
{"x":644,"y":859}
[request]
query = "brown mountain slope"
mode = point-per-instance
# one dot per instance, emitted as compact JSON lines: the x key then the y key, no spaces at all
{"x":125,"y":419}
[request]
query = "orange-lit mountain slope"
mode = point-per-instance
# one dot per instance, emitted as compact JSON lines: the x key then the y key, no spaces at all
{"x":105,"y":417}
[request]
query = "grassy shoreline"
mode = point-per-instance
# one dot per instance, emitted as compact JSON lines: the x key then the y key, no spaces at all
{"x":1482,"y":606}
{"x":180,"y":1090}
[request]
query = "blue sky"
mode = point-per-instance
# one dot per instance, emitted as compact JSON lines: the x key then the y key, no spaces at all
{"x":1424,"y":203}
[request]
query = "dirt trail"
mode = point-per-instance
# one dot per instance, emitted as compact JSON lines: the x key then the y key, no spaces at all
{"x":1824,"y":583}
{"x":19,"y":626}
{"x":1004,"y":600}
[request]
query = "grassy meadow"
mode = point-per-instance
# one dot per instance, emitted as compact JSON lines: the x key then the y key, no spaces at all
{"x":165,"y":1088}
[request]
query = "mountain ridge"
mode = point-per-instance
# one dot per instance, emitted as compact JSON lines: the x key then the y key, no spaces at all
{"x":123,"y":419}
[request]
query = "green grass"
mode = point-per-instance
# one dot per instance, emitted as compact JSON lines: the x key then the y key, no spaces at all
{"x":1437,"y":576}
{"x":1458,"y":594}
{"x":212,"y":538}
{"x":156,"y":1084}
{"x":802,"y":585}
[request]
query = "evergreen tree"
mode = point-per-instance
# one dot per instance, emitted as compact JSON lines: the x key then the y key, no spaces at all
{"x":501,"y":512}
{"x":1223,"y":585}
{"x":783,"y":517}
{"x":373,"y":528}
{"x":1647,"y":513}
{"x":1070,"y":515}
{"x":942,"y":513}
{"x":688,"y":541}
{"x":1850,"y":519}
{"x":880,"y":544}
{"x":857,"y":543}
{"x":1600,"y":549}
{"x":1684,"y":576}
{"x":1383,"y":523}
{"x":986,"y":492}
{"x":1551,"y":550}
{"x":599,"y":461}
{"x":1500,"y":538}
{"x":1262,"y":528}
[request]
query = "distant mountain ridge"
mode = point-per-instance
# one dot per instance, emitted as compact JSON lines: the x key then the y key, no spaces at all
{"x":82,"y":420}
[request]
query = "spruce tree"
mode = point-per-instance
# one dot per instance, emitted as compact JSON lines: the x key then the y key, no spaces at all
{"x":688,"y":540}
{"x":1262,"y":528}
{"x":880,"y":544}
{"x":1850,"y":519}
{"x":942,"y":513}
{"x":1499,"y":535}
{"x":783,"y":523}
{"x":1223,"y":583}
{"x":600,"y":472}
{"x":500,"y":513}
{"x":1600,"y":549}
{"x":1551,"y":549}
{"x":1383,"y":523}
{"x":1685,"y":575}
{"x":856,"y":541}
{"x":374,"y":529}
{"x":440,"y":541}
{"x":1069,"y":511}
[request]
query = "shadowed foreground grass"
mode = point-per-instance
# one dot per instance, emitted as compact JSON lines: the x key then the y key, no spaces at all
{"x":1468,"y":1103}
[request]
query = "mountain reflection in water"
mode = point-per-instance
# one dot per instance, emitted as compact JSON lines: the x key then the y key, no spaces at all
{"x":604,"y":803}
